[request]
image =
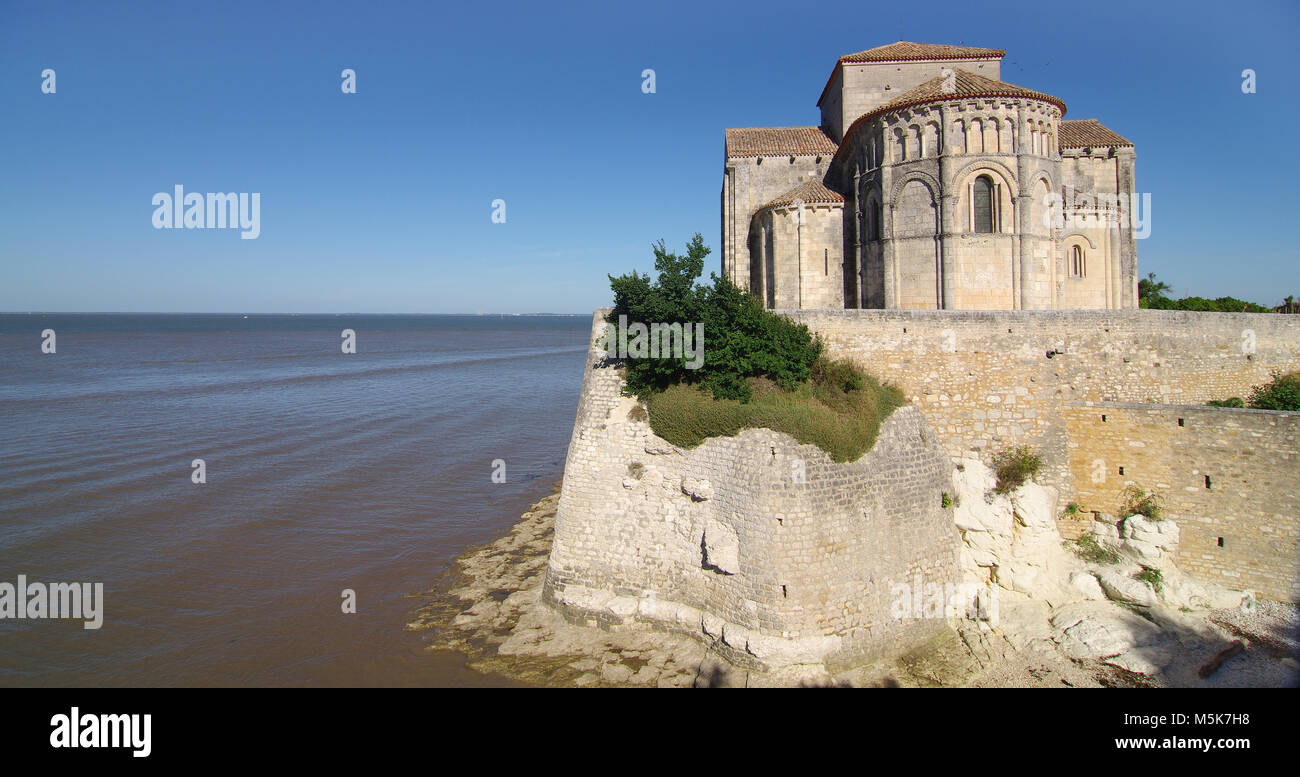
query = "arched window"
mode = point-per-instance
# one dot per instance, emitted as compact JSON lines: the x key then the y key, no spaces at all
{"x":1078,"y":266}
{"x":873,"y":221}
{"x":982,"y":212}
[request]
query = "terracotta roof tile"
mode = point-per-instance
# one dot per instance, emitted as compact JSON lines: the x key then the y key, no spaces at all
{"x":810,"y":192}
{"x":1086,"y":133}
{"x":964,"y":85}
{"x":778,"y":141}
{"x":907,"y":51}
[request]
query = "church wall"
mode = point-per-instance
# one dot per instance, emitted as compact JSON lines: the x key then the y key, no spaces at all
{"x":914,"y":229}
{"x":1090,"y":290}
{"x":808,"y":262}
{"x":748,"y":186}
{"x":982,"y":267}
{"x":1112,"y":256}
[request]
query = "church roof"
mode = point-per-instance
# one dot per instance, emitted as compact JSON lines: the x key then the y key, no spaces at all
{"x":810,"y":192}
{"x":1088,"y":133}
{"x":778,"y":141}
{"x":964,"y":85}
{"x":907,"y":51}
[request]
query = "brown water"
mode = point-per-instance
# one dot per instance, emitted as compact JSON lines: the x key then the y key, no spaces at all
{"x":324,"y":471}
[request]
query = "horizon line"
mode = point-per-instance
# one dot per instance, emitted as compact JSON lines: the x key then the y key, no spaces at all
{"x":285,"y":313}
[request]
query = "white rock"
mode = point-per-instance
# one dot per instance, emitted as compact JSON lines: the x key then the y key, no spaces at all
{"x":1035,"y":505}
{"x":1098,"y":630}
{"x":1086,"y":584}
{"x":1126,"y":589}
{"x":1149,"y":660}
{"x":697,"y":489}
{"x":781,"y":651}
{"x":1135,"y":523}
{"x":622,"y":606}
{"x":1105,"y":529}
{"x":721,"y":547}
{"x":1140,"y":550}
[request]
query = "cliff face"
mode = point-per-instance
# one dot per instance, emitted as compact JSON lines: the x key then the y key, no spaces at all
{"x":757,"y":543}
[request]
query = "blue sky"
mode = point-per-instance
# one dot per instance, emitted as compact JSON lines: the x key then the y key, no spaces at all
{"x":380,"y":201}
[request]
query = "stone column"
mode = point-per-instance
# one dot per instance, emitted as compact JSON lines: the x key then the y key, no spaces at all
{"x":1126,"y":160}
{"x":948,"y":216}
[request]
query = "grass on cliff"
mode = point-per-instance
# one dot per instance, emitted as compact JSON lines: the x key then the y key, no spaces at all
{"x":754,"y":369}
{"x":839,"y":409}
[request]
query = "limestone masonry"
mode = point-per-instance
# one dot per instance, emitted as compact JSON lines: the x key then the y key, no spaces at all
{"x":915,"y":233}
{"x":931,"y":184}
{"x":778,"y":556}
{"x":756,"y":541}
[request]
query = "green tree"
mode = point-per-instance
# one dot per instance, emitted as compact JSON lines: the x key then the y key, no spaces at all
{"x":1149,"y":288}
{"x":741,"y":338}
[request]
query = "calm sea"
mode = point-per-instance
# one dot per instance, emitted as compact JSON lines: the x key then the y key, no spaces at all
{"x":325,"y":471}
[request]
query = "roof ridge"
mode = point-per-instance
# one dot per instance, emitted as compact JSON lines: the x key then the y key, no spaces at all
{"x":905,"y":51}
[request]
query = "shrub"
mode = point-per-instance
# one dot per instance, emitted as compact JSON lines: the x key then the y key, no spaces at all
{"x":946,"y":501}
{"x":1152,"y":577}
{"x":743,"y":340}
{"x":1088,"y":549}
{"x":1135,"y":500}
{"x":1229,"y":402}
{"x":1073,"y":509}
{"x":759,"y":369}
{"x":1014,"y":467}
{"x":1281,"y":393}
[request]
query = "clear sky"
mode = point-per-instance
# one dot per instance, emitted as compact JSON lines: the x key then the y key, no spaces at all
{"x":381,"y":201}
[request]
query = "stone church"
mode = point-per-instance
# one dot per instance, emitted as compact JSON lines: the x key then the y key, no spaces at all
{"x":931,"y":184}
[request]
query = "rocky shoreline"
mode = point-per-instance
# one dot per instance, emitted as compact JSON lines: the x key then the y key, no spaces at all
{"x":488,"y":609}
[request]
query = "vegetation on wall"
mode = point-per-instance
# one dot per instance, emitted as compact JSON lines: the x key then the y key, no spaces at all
{"x":1014,"y":466}
{"x":1135,"y":500}
{"x":759,"y":369}
{"x":1089,"y":549}
{"x":1280,"y":393}
{"x":1151,"y":295}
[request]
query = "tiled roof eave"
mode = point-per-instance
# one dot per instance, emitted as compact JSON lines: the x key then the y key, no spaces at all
{"x":891,"y":108}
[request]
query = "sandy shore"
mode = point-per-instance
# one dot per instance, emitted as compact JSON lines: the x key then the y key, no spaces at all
{"x":488,"y":609}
